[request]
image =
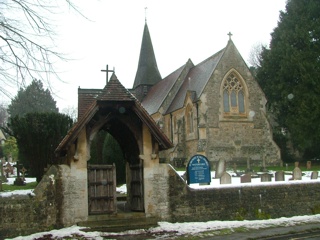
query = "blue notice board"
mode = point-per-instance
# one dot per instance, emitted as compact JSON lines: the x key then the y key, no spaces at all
{"x":198,"y":170}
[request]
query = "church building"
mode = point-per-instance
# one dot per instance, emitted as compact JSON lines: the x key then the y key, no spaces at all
{"x":215,"y":108}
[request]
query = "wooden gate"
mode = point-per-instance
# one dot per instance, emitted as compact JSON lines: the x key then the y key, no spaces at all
{"x":102,"y":189}
{"x":136,"y":186}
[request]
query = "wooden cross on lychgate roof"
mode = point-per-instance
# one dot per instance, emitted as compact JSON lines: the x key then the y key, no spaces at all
{"x":107,"y":71}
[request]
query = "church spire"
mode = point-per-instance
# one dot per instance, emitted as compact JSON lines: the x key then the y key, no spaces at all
{"x":147,"y":73}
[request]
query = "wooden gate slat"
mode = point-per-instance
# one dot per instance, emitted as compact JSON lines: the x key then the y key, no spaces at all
{"x":102,"y":189}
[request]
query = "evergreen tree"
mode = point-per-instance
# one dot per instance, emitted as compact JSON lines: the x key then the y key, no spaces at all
{"x":10,"y":148}
{"x":34,"y":98}
{"x":106,"y":150}
{"x":290,"y":75}
{"x":38,"y":135}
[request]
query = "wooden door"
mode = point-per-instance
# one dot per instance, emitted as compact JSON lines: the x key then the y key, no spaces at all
{"x":136,"y":187}
{"x":102,"y":189}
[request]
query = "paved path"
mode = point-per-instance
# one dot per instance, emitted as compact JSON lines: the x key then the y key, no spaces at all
{"x":268,"y":233}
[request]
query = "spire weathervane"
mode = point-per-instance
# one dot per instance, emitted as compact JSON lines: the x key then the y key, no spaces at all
{"x":145,"y":14}
{"x":230,"y":35}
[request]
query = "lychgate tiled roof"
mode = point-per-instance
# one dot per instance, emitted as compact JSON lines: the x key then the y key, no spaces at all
{"x":115,"y":91}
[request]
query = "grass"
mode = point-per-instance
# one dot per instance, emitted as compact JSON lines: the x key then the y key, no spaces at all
{"x":7,"y":187}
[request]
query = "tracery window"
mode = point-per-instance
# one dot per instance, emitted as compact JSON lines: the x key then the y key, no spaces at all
{"x":233,"y":96}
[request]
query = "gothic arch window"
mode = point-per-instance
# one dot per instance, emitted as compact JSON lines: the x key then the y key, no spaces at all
{"x":233,"y":96}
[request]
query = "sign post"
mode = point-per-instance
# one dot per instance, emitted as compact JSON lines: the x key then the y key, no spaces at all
{"x":198,"y":170}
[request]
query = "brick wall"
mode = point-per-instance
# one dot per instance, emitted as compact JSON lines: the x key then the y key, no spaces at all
{"x":237,"y":203}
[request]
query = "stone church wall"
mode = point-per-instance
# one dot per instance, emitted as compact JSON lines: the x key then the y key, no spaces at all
{"x":26,"y":214}
{"x":238,"y":203}
{"x":237,"y":139}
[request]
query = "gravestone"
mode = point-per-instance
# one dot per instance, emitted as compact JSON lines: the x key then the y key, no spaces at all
{"x":221,"y":168}
{"x":225,"y":178}
{"x":279,"y":176}
{"x":2,"y":175}
{"x":246,"y":178}
{"x":19,"y":181}
{"x":308,"y":164}
{"x":266,"y":177}
{"x":198,"y":170}
{"x":314,"y":175}
{"x":296,"y":164}
{"x":297,"y":174}
{"x":23,"y":171}
{"x":8,"y":170}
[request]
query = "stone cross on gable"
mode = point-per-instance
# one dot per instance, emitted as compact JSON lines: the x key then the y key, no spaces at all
{"x":230,"y":35}
{"x":107,"y":71}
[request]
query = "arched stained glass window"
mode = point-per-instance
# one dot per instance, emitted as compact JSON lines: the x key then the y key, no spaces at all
{"x":233,"y":96}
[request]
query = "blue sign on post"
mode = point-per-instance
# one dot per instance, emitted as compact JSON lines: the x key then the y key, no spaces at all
{"x":198,"y":170}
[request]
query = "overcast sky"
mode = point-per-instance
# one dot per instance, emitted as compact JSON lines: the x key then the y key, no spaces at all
{"x":180,"y":29}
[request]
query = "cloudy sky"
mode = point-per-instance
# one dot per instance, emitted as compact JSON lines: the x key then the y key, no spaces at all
{"x":180,"y":29}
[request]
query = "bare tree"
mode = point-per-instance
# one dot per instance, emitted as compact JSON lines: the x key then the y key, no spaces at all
{"x":27,"y":41}
{"x":255,"y":54}
{"x":3,"y":114}
{"x":71,"y":111}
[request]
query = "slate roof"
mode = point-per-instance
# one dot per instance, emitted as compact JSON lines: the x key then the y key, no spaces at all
{"x":196,"y":80}
{"x":147,"y":72}
{"x":114,"y":91}
{"x":157,"y":94}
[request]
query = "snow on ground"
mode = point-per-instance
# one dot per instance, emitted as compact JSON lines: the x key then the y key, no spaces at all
{"x":236,"y":181}
{"x":179,"y":229}
{"x":192,"y":228}
{"x":17,"y":192}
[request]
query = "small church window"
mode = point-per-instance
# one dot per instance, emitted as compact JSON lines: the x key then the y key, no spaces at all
{"x":233,"y":96}
{"x":190,"y":121}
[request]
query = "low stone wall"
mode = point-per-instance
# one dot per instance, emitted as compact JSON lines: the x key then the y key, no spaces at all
{"x":26,"y":214}
{"x":245,"y":202}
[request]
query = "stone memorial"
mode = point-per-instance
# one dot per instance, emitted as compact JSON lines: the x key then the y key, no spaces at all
{"x":265,"y":177}
{"x":221,"y":168}
{"x":23,"y":171}
{"x":314,"y":175}
{"x":8,"y":169}
{"x":279,"y":176}
{"x":308,"y":164}
{"x":225,"y":178}
{"x":297,"y":174}
{"x":198,"y":170}
{"x":19,"y":181}
{"x":2,"y":175}
{"x":246,"y":178}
